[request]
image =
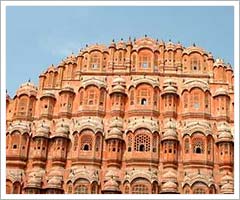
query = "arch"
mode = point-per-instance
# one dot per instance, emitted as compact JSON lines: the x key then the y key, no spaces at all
{"x":140,"y":186}
{"x":142,"y":141}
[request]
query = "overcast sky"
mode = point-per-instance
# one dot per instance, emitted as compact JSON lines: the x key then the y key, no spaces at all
{"x":40,"y":36}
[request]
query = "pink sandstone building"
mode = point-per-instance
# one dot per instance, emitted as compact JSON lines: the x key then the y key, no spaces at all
{"x":135,"y":117}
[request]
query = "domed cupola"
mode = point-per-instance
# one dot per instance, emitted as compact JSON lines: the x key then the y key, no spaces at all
{"x":169,"y":188}
{"x":224,"y":133}
{"x":227,"y":188}
{"x":170,"y":98}
{"x":179,"y":46}
{"x":54,"y":181}
{"x":42,"y":131}
{"x":71,"y":59}
{"x":169,"y":87}
{"x":170,"y":46}
{"x":121,"y":45}
{"x":114,"y":133}
{"x":28,"y":89}
{"x":219,"y":62}
{"x":118,"y":96}
{"x":62,"y":130}
{"x":118,"y":85}
{"x":221,"y":91}
{"x":59,"y":141}
{"x":169,"y":175}
{"x":111,"y":187}
{"x":225,"y":145}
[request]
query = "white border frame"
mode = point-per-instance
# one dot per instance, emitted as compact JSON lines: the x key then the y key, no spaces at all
{"x":235,"y":4}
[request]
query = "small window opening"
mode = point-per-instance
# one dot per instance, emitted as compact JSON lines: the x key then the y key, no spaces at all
{"x":198,"y":150}
{"x":141,"y":147}
{"x":143,"y":101}
{"x":86,"y":147}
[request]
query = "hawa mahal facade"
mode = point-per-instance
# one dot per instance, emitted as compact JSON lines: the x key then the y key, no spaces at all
{"x":135,"y":117}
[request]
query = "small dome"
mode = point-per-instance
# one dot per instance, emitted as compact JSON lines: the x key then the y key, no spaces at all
{"x":225,"y":135}
{"x":169,"y":186}
{"x":224,"y":128}
{"x":179,"y":46}
{"x":121,"y":45}
{"x":27,"y":88}
{"x":42,"y":131}
{"x":114,"y":133}
{"x":112,"y":174}
{"x":161,"y":43}
{"x":62,"y":63}
{"x":62,"y":130}
{"x":71,"y":59}
{"x":170,"y":45}
{"x":119,"y":80}
{"x":170,"y":174}
{"x":227,"y":178}
{"x":220,"y":91}
{"x":170,"y":134}
{"x":47,"y":95}
{"x":218,"y":62}
{"x":227,"y":188}
{"x":169,"y":90}
{"x":67,"y":88}
{"x":116,"y":123}
{"x":111,"y":185}
{"x":55,"y":182}
{"x":170,"y":124}
{"x":112,"y":45}
{"x":118,"y":89}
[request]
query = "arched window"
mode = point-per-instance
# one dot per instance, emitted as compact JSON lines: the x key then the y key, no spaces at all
{"x":140,"y":186}
{"x":86,"y":142}
{"x":126,"y":189}
{"x":142,"y":142}
{"x":186,"y":146}
{"x":15,"y":140}
{"x":195,"y":100}
{"x":102,"y":96}
{"x":92,"y":96}
{"x":94,"y":188}
{"x":140,"y":189}
{"x":120,"y":56}
{"x":81,"y":189}
{"x":131,"y":96}
{"x":144,"y":59}
{"x":75,"y":144}
{"x":198,"y":146}
{"x":154,"y":143}
{"x":22,"y":107}
{"x":134,"y":60}
{"x":195,"y":64}
{"x":81,"y":97}
{"x":199,"y":191}
{"x":143,"y":101}
{"x":69,"y":189}
{"x":16,"y":188}
{"x":129,"y":143}
{"x":95,"y":61}
{"x":144,"y":95}
{"x":97,"y":143}
{"x":185,"y":100}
